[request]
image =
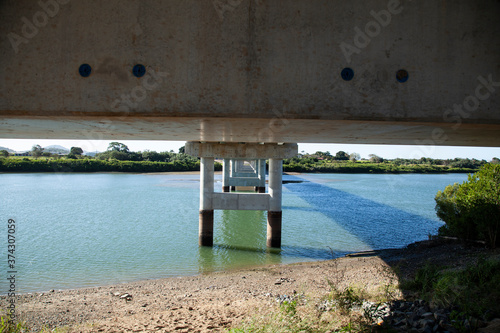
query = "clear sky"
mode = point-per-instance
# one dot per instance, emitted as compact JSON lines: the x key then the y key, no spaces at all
{"x":385,"y":151}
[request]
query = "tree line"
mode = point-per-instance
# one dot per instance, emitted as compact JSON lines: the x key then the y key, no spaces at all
{"x":119,"y":158}
{"x":351,"y":163}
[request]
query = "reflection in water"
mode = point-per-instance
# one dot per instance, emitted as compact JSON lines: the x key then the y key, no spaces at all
{"x":239,"y":241}
{"x":251,"y":233}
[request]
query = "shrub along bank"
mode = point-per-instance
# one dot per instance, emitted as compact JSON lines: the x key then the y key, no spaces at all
{"x":94,"y":165}
{"x":471,"y":210}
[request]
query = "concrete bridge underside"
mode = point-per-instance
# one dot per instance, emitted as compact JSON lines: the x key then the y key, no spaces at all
{"x":252,"y":71}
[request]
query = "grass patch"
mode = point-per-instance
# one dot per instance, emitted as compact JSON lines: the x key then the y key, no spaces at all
{"x":7,"y":326}
{"x":472,"y":292}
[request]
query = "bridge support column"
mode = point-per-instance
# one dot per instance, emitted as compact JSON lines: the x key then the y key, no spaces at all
{"x":274,"y":213}
{"x":226,"y":165}
{"x":262,"y":176}
{"x":206,"y":222}
{"x":232,"y":164}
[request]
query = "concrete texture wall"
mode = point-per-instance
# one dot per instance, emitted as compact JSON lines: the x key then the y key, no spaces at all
{"x":252,"y":70}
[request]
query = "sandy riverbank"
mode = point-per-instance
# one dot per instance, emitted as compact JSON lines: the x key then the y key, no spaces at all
{"x":216,"y":301}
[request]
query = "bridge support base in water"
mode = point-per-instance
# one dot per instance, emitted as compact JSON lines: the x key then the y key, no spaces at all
{"x":244,"y":164}
{"x":273,"y":229}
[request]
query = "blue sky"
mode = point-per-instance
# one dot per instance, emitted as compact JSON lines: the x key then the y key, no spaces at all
{"x":385,"y":151}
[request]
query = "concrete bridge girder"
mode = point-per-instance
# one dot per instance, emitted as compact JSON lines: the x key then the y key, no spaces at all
{"x":253,"y":72}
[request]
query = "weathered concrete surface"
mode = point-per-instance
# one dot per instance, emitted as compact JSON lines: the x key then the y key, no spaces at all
{"x":246,"y":151}
{"x":252,"y":70}
{"x":241,"y":201}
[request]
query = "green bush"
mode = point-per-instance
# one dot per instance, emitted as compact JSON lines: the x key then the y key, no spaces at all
{"x":472,"y":210}
{"x":473,"y":291}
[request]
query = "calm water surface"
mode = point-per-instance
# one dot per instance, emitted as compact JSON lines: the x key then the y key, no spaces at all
{"x":79,"y":230}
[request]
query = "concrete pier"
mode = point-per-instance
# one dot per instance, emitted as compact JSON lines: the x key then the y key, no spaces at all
{"x":274,"y":213}
{"x":206,"y":220}
{"x":225,"y":175}
{"x":261,"y":188}
{"x":234,"y":155}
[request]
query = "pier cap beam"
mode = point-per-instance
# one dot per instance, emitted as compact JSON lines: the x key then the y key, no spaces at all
{"x":248,"y":150}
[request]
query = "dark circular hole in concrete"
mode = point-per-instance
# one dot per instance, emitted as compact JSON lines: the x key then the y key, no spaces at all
{"x":347,"y":74}
{"x":139,"y":70}
{"x":85,"y":70}
{"x":402,"y":76}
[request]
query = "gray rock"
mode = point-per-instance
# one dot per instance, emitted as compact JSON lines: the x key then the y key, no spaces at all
{"x":427,"y":315}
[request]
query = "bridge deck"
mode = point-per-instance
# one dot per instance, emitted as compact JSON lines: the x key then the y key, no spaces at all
{"x":252,"y":70}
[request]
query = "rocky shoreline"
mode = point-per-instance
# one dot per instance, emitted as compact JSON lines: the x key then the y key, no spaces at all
{"x":217,"y":301}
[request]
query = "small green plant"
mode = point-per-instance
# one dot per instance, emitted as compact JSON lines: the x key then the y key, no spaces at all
{"x":348,"y":328}
{"x":347,"y":299}
{"x":6,"y":326}
{"x":289,"y":308}
{"x":424,"y":280}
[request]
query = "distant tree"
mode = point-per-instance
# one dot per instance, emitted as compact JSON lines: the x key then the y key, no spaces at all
{"x":182,"y":150}
{"x":426,"y":160}
{"x":354,"y":157}
{"x":341,"y":156}
{"x":4,"y":153}
{"x":466,"y":163}
{"x":323,"y":155}
{"x":375,"y":159}
{"x":495,"y":160}
{"x":117,"y":146}
{"x":167,"y":156}
{"x":74,"y":152}
{"x":36,"y":151}
{"x":152,"y":156}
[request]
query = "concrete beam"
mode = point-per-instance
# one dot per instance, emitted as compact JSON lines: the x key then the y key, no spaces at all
{"x":118,"y":127}
{"x":245,"y":181}
{"x":246,"y":151}
{"x":241,"y":201}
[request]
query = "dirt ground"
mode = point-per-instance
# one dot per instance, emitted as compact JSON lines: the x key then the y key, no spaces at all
{"x":217,"y":301}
